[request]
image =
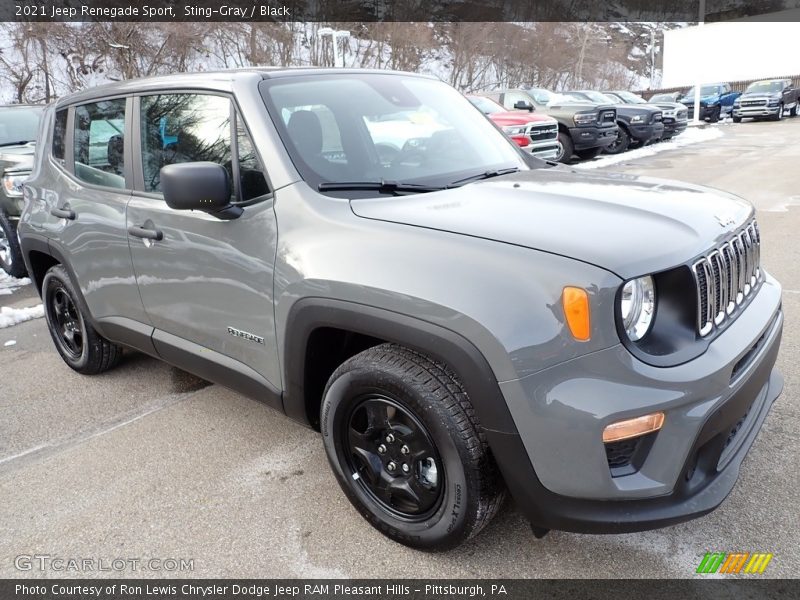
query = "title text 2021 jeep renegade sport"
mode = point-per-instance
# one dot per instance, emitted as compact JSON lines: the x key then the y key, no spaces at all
{"x":367,"y":253}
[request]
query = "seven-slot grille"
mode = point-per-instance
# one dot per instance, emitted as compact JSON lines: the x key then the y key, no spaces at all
{"x":538,"y":133}
{"x":726,"y":276}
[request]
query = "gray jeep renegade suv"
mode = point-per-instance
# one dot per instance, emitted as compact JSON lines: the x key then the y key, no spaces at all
{"x":367,"y":253}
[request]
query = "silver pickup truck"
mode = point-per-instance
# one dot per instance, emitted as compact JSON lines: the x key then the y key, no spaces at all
{"x":770,"y":99}
{"x":365,"y":252}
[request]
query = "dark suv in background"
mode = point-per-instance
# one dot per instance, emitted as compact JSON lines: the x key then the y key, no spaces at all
{"x":767,"y":99}
{"x":638,"y":125}
{"x":675,"y":115}
{"x":19,"y":125}
{"x":584,"y":128}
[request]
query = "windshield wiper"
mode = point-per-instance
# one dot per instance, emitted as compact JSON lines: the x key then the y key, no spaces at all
{"x":383,"y":186}
{"x":484,"y":175}
{"x":19,"y":143}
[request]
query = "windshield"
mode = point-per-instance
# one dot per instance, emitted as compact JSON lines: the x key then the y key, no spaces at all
{"x":485,"y":105}
{"x":765,"y":87}
{"x":706,"y":90}
{"x":370,"y":127}
{"x":631,"y":98}
{"x":19,"y":124}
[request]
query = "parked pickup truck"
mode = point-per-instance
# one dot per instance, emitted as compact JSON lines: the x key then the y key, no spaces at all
{"x":584,"y":129}
{"x":769,"y":98}
{"x":716,"y":101}
{"x":532,"y":132}
{"x":673,"y":114}
{"x":638,"y":125}
{"x":18,"y":128}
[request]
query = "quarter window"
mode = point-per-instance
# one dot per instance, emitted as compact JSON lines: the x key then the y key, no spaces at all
{"x":60,"y":135}
{"x":99,"y":143}
{"x":179,"y":128}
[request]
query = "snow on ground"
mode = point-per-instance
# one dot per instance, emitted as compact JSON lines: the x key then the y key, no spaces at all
{"x":8,"y":284}
{"x":13,"y":316}
{"x":692,"y":135}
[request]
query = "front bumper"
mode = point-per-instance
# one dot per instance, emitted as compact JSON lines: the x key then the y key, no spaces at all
{"x":691,"y":465}
{"x":673,"y":128}
{"x":546,"y":150}
{"x":590,"y":136}
{"x":755,"y":111}
{"x":645,"y":133}
{"x":705,"y":111}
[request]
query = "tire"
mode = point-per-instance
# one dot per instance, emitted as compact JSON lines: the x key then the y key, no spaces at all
{"x":715,"y":115}
{"x":565,"y":146}
{"x":795,"y":109}
{"x":621,"y":144}
{"x":737,"y":119}
{"x":389,"y":403}
{"x":779,"y":116}
{"x":589,"y":153}
{"x":78,"y":343}
{"x":10,"y":254}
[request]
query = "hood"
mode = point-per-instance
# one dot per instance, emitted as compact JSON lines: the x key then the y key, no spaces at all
{"x":519,"y":118}
{"x":17,"y":158}
{"x":636,"y":109}
{"x":626,"y":224}
{"x":761,"y":96}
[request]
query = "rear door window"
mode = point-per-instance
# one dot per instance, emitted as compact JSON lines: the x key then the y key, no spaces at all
{"x":98,"y":143}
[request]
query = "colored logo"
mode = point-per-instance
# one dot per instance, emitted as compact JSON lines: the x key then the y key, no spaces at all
{"x":734,"y":563}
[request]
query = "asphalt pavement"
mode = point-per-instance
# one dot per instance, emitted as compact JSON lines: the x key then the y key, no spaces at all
{"x":147,"y":462}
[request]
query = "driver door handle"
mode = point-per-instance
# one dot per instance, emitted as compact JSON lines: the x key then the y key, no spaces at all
{"x":63,"y":213}
{"x":148,"y":234}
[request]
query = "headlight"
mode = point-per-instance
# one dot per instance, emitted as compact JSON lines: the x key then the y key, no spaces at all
{"x":12,"y":184}
{"x":774,"y":101}
{"x":637,"y":306}
{"x":584,"y":118}
{"x":515,"y":129}
{"x":637,"y":119}
{"x":737,"y":102}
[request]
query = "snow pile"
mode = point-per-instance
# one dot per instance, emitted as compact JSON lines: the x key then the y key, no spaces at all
{"x":13,"y":316}
{"x":8,"y":284}
{"x":692,"y":135}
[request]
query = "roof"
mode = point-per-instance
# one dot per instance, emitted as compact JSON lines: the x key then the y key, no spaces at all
{"x":213,"y":80}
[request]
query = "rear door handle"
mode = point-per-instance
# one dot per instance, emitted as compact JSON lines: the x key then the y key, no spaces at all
{"x":148,"y":234}
{"x":63,"y":213}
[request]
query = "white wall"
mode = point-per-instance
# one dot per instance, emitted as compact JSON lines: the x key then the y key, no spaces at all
{"x":731,"y":51}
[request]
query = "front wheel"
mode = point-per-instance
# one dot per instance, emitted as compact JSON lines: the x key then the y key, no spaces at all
{"x":10,"y":255}
{"x":737,"y":119}
{"x":620,"y":144}
{"x":565,"y":147}
{"x":78,"y":343}
{"x":715,"y":115}
{"x":406,"y":448}
{"x":779,"y":115}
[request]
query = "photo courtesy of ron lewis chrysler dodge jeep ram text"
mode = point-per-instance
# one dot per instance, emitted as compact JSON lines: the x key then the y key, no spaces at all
{"x":367,"y":253}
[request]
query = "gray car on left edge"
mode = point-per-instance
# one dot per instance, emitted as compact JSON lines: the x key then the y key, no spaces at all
{"x":19,"y":124}
{"x":365,"y":252}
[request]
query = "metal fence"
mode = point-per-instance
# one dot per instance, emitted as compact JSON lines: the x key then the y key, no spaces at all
{"x":737,"y":86}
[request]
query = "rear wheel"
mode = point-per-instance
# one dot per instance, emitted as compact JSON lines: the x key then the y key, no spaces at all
{"x":565,"y":147}
{"x":621,"y":143}
{"x":10,"y":255}
{"x":406,"y":448}
{"x":78,"y":343}
{"x":795,"y":109}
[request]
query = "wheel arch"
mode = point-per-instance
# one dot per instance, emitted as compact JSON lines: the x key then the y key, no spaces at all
{"x":322,"y":333}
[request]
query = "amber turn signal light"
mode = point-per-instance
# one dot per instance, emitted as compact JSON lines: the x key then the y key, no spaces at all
{"x":576,"y":310}
{"x":631,"y":428}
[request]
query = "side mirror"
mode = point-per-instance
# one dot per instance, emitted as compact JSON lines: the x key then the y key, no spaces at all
{"x":523,"y":105}
{"x":201,"y":186}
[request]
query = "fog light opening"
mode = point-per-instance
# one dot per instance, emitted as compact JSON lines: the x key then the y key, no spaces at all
{"x":631,"y":428}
